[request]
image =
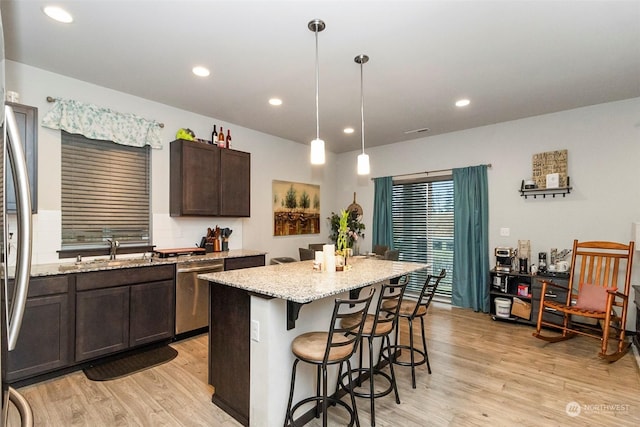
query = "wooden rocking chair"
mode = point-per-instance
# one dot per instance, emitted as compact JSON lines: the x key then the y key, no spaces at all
{"x":593,"y":293}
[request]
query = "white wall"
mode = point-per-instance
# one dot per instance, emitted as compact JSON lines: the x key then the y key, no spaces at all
{"x":271,"y":158}
{"x":603,"y":142}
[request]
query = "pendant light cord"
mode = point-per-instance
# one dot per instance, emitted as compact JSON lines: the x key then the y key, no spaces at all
{"x":317,"y":88}
{"x":362,"y":103}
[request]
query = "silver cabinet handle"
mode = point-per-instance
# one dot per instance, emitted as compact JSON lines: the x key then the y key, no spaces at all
{"x":23,"y":204}
{"x":208,"y":268}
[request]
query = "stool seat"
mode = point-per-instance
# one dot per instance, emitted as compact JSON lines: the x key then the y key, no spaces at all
{"x":313,"y":345}
{"x":381,"y":328}
{"x":407,"y":307}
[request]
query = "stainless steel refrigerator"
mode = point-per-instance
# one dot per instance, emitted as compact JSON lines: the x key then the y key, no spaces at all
{"x":13,"y":302}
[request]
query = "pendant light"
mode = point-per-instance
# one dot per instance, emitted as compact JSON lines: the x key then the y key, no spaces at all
{"x":363,"y":159}
{"x":317,"y":145}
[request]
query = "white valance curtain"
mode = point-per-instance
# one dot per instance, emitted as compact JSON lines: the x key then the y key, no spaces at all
{"x":101,"y":123}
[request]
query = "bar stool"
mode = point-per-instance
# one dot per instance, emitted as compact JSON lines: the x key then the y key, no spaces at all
{"x":377,"y":326}
{"x":409,"y":310}
{"x":329,"y":348}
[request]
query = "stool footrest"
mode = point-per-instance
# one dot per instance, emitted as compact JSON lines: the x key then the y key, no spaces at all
{"x":394,"y":349}
{"x":382,"y":393}
{"x":330,"y":401}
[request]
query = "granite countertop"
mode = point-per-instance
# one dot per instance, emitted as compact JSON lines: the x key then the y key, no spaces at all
{"x":299,"y":282}
{"x":125,"y":261}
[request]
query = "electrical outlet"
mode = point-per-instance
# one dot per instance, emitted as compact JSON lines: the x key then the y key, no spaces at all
{"x":255,"y":330}
{"x":505,"y":232}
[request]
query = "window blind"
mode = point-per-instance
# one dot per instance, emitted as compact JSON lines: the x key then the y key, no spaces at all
{"x":423,"y":228}
{"x":105,"y":192}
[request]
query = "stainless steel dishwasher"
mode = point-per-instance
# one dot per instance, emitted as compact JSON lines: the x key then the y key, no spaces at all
{"x":192,"y":294}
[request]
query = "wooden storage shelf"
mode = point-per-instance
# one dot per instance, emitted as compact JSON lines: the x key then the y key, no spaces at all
{"x":544,"y":192}
{"x":514,"y":279}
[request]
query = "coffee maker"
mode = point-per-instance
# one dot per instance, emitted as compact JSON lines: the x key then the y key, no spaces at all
{"x":504,"y":259}
{"x":542,"y":262}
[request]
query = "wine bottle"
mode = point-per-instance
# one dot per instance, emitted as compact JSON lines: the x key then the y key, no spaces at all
{"x":228,"y":143}
{"x":214,"y":135}
{"x":221,"y":140}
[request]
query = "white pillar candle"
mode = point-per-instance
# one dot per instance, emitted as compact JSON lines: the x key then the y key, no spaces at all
{"x":329,"y":263}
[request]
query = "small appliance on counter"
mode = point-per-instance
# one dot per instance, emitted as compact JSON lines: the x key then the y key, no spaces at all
{"x":542,"y":262}
{"x":504,"y":259}
{"x":524,"y":249}
{"x":500,"y":283}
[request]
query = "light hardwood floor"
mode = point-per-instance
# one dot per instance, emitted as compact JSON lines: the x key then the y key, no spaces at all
{"x":484,"y":373}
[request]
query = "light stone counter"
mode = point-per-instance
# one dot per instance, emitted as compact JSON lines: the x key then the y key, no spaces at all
{"x":300,"y":283}
{"x":129,"y":261}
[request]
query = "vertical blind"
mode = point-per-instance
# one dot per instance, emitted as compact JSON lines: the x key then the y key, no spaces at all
{"x":423,"y":228}
{"x":105,"y":192}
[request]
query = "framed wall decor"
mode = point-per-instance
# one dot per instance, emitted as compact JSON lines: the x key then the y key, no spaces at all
{"x":296,"y":208}
{"x":548,"y":163}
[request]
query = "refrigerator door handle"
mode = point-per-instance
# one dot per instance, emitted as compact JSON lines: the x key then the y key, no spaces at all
{"x":26,"y":414}
{"x":23,"y":205}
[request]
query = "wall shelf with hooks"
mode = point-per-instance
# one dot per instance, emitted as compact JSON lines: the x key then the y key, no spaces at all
{"x":544,"y":192}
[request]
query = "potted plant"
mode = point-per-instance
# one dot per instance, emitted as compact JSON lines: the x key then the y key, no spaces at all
{"x":346,"y":229}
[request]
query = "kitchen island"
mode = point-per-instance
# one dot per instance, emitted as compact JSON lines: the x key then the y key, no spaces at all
{"x":254,"y":315}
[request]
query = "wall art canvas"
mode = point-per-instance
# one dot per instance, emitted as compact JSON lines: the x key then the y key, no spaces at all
{"x":548,"y":163}
{"x":296,"y":208}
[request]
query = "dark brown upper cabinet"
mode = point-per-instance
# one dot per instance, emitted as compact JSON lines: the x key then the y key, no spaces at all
{"x":209,"y":181}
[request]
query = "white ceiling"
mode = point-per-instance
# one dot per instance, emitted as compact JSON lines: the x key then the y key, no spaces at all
{"x":512,"y":59}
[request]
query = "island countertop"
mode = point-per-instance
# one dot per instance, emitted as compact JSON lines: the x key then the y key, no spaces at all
{"x":300,"y":283}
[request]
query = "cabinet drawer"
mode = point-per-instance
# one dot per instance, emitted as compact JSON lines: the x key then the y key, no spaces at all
{"x":124,"y":276}
{"x":243,"y":262}
{"x":45,"y":285}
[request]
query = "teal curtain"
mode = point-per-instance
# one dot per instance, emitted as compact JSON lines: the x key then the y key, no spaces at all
{"x":382,"y":217}
{"x":471,"y":241}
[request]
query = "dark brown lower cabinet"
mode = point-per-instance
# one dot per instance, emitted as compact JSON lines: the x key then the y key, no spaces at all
{"x":43,"y":343}
{"x":109,"y":312}
{"x":152,"y":312}
{"x":121,"y":309}
{"x":102,"y":322}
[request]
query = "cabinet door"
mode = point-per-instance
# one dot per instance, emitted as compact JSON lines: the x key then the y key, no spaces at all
{"x":27,"y":120}
{"x":235,"y":183}
{"x":194,"y":179}
{"x":102,"y":322}
{"x":152,"y":312}
{"x":43,"y":344}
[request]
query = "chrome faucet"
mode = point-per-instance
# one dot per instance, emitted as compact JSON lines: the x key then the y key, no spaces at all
{"x":113,"y":247}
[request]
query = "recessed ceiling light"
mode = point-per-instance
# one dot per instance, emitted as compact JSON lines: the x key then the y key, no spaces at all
{"x":348,"y":130}
{"x":275,"y":101}
{"x":58,"y":14}
{"x":200,"y":71}
{"x":462,"y":102}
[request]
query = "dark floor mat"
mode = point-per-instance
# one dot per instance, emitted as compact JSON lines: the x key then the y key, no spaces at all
{"x":130,"y":364}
